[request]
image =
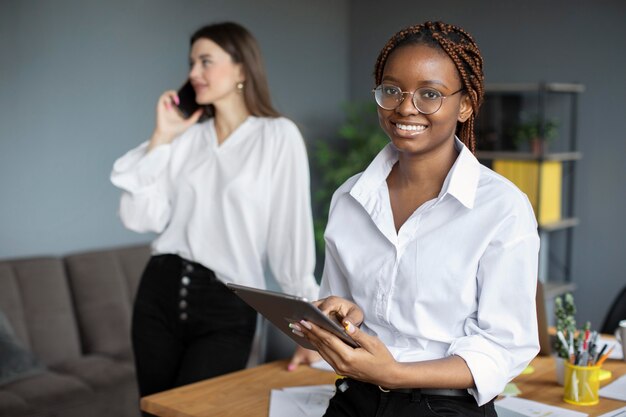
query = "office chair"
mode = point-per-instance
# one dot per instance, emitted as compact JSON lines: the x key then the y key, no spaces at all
{"x":545,"y":341}
{"x":616,"y":313}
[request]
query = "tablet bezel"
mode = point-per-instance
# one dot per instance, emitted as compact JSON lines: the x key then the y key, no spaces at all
{"x":281,"y":309}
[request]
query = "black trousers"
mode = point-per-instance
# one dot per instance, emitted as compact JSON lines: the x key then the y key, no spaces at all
{"x":187,"y":326}
{"x":359,"y":399}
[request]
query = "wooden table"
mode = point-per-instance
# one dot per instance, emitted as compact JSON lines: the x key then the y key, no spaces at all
{"x":243,"y":393}
{"x":541,"y":386}
{"x":247,"y":392}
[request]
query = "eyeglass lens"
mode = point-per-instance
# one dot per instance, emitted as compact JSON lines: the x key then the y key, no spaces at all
{"x":426,"y":100}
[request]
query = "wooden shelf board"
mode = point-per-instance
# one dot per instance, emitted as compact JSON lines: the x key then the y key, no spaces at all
{"x":527,"y":156}
{"x":554,"y":289}
{"x":534,"y":87}
{"x":559,"y":225}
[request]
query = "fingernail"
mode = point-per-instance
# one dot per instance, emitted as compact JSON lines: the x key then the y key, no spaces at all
{"x":295,"y":327}
{"x":176,"y":100}
{"x":306,"y":324}
{"x":291,"y":367}
{"x":349,"y":326}
{"x":297,"y":332}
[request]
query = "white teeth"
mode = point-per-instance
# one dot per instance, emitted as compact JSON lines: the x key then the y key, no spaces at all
{"x":410,"y":127}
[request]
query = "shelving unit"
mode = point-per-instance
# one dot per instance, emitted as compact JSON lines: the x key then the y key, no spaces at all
{"x":505,"y":109}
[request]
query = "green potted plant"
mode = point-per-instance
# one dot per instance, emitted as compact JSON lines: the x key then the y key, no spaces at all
{"x":358,"y":141}
{"x":564,"y":310}
{"x":529,"y":132}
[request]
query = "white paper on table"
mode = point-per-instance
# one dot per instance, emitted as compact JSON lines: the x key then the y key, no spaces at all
{"x":523,"y":407}
{"x":282,"y":405}
{"x":620,"y":412}
{"x":323,"y":365}
{"x":306,"y":401}
{"x":615,"y":390}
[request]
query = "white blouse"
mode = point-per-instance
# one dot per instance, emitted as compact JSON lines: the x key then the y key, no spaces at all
{"x":234,"y":207}
{"x":459,"y":278}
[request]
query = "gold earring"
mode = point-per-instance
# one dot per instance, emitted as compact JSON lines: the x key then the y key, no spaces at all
{"x":240,"y":87}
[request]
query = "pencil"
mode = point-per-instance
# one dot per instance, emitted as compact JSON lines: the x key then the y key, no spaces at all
{"x":606,"y":355}
{"x":599,"y":355}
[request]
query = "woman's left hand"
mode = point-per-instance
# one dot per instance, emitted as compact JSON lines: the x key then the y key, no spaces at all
{"x":372,"y":362}
{"x":303,"y":356}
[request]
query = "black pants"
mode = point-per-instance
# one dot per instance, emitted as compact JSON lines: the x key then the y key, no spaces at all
{"x":360,"y":399}
{"x":187,"y":326}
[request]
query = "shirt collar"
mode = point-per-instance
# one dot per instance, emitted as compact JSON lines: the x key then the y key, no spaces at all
{"x":375,"y":174}
{"x":461,"y":181}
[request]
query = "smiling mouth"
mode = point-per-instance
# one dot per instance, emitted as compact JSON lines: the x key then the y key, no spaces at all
{"x":410,"y":128}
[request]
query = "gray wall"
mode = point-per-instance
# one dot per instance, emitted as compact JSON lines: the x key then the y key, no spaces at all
{"x":78,"y":86}
{"x":559,"y":40}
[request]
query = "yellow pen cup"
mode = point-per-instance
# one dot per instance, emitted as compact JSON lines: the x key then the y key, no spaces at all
{"x":582,"y":384}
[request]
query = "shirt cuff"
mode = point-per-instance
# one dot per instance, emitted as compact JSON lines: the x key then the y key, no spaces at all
{"x":307,"y":287}
{"x":488,"y":367}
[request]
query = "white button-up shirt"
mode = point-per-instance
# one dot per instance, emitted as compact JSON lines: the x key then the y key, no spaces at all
{"x":459,"y":278}
{"x":233,"y":207}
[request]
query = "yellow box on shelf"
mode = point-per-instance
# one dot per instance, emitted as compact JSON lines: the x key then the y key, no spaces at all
{"x":526,"y":175}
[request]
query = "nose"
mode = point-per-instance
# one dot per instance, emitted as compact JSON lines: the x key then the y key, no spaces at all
{"x":194,"y":71}
{"x":407,"y":108}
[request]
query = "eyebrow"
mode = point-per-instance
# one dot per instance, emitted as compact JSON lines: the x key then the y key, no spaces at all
{"x":201,"y":57}
{"x":430,"y":82}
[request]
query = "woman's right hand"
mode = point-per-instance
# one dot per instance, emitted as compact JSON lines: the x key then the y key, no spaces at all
{"x":342,"y":309}
{"x":169,"y":122}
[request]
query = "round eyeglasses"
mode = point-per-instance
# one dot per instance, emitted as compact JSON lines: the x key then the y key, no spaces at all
{"x":426,"y":100}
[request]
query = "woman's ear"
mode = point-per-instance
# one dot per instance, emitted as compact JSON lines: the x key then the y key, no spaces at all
{"x":241,"y":73}
{"x":465,"y":110}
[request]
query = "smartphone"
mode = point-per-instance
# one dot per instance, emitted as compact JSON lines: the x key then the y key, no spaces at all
{"x":187,"y":100}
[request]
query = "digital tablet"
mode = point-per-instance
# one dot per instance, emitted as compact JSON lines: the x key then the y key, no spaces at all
{"x":281,"y":309}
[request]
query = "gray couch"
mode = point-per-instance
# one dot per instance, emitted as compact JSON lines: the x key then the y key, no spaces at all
{"x":73,"y":314}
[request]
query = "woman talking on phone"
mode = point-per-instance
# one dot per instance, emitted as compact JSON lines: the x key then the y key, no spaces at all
{"x":226,"y":196}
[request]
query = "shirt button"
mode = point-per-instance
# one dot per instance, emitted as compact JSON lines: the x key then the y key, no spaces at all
{"x":182,"y":304}
{"x":185,"y":280}
{"x":183,"y":316}
{"x":183,"y":292}
{"x":189,"y":268}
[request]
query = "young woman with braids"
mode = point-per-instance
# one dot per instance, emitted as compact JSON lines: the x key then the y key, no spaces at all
{"x":227,"y":196}
{"x":431,"y":258}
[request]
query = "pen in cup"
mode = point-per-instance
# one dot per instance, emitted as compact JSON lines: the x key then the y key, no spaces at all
{"x":603,"y":357}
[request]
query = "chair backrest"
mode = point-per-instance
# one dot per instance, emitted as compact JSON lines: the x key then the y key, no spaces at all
{"x":616,"y":313}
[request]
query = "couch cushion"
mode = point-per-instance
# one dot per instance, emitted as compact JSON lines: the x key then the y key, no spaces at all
{"x":51,"y":390}
{"x":15,"y":361}
{"x":103,"y":286}
{"x":98,"y":371}
{"x":34,"y":295}
{"x":11,"y":302}
{"x":12,"y":405}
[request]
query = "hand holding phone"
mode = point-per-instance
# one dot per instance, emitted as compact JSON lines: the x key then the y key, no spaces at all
{"x":175,"y":113}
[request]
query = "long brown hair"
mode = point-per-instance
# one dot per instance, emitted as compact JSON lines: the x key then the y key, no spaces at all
{"x":243,"y":49}
{"x":461,"y":48}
